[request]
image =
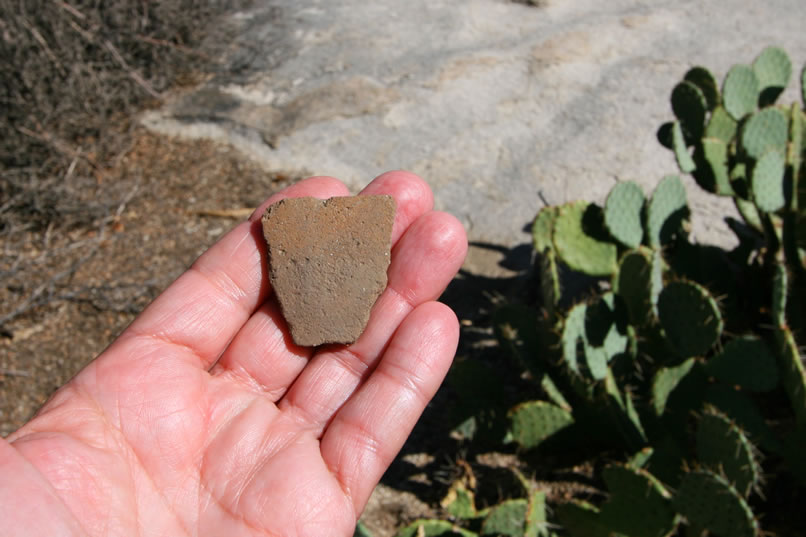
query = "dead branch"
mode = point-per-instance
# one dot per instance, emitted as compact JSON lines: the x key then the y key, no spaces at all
{"x":70,"y":9}
{"x":162,"y":43}
{"x":59,"y":145}
{"x":13,"y":372}
{"x":131,"y":72}
{"x":241,"y":212}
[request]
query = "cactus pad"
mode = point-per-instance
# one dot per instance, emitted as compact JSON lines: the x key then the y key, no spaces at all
{"x":639,"y":505}
{"x":627,"y":420}
{"x":622,"y":213}
{"x":684,"y":160}
{"x":745,"y":412}
{"x":745,"y":361}
{"x":740,"y":91}
{"x":550,"y":285}
{"x":632,"y":283}
{"x":507,"y":518}
{"x":780,"y":285}
{"x":795,"y":147}
{"x":764,"y":130}
{"x":739,"y":178}
{"x":536,"y":522}
{"x":605,"y":323}
{"x":598,"y":328}
{"x":749,"y":213}
{"x":665,"y":381}
{"x":768,"y":181}
{"x":715,"y":155}
{"x":459,"y":502}
{"x":707,"y":84}
{"x":361,"y":530}
{"x":724,"y":448}
{"x":533,"y":422}
{"x":793,"y":377}
{"x":803,"y":85}
{"x":708,"y":501}
{"x":690,"y":317}
{"x":773,"y":70}
{"x":721,"y":125}
{"x":666,"y":210}
{"x":581,"y":519}
{"x":543,"y":228}
{"x":641,"y":458}
{"x":580,"y":239}
{"x":656,"y":279}
{"x":690,"y":107}
{"x":572,"y":334}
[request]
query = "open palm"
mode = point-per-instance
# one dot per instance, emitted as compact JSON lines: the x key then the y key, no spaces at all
{"x":203,"y":417}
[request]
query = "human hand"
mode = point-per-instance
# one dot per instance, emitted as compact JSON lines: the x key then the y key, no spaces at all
{"x":203,"y":417}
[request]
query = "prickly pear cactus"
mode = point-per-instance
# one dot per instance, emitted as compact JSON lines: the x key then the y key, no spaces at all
{"x":580,"y":239}
{"x":763,"y":131}
{"x":677,"y":372}
{"x":507,"y":518}
{"x":582,"y":519}
{"x":723,"y":447}
{"x":666,"y":211}
{"x":710,"y":502}
{"x":639,"y":504}
{"x":666,"y":379}
{"x":690,"y":317}
{"x":633,"y":285}
{"x":793,"y":376}
{"x":740,"y":91}
{"x":707,"y":84}
{"x":535,"y":421}
{"x":773,"y":70}
{"x":769,"y":189}
{"x":721,"y":126}
{"x":747,"y":362}
{"x":623,"y":213}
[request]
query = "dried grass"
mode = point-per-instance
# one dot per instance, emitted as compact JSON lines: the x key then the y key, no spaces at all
{"x":74,"y":74}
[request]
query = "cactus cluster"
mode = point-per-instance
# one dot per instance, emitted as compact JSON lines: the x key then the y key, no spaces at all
{"x":679,"y":369}
{"x":520,"y":517}
{"x":679,"y":352}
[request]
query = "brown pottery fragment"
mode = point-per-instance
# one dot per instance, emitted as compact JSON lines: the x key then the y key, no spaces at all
{"x":327,"y":263}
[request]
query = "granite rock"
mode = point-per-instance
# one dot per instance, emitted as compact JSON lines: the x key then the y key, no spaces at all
{"x":502,"y":107}
{"x":327,"y":263}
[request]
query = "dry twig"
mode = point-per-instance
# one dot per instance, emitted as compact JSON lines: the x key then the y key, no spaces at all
{"x":241,"y":212}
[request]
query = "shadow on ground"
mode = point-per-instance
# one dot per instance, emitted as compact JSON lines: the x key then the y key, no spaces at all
{"x":439,"y":451}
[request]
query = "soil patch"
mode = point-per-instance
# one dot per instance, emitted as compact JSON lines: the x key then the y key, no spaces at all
{"x":69,"y":292}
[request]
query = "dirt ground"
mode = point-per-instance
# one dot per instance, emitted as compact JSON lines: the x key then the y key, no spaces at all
{"x":98,"y":277}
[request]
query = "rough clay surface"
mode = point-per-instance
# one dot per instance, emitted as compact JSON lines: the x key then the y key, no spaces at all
{"x":327,"y":263}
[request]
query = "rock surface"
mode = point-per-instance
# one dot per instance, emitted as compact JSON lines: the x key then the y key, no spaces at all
{"x":499,"y":105}
{"x":327,"y":263}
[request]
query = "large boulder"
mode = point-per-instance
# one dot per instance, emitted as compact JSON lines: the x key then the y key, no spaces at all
{"x":502,"y":106}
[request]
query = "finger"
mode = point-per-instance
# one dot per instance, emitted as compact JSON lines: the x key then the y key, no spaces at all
{"x":412,"y":195}
{"x":205,"y":307}
{"x":424,"y":261}
{"x":320,"y":186}
{"x":262,"y":354}
{"x":367,"y":433}
{"x":263,"y":357}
